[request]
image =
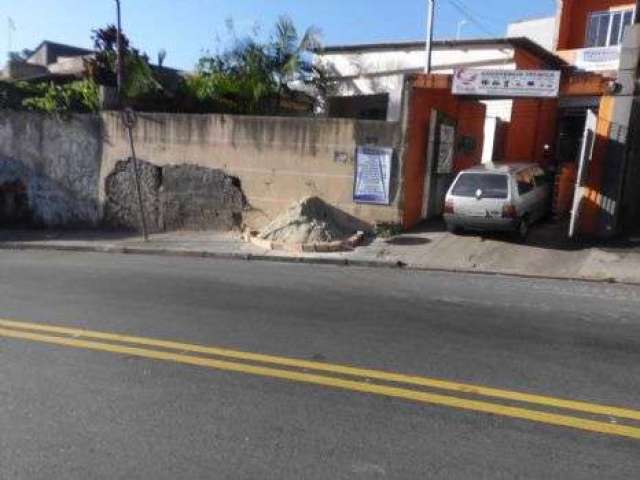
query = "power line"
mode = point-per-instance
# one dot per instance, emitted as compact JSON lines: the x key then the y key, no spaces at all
{"x":464,"y":10}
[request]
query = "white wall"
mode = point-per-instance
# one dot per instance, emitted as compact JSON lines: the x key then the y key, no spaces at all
{"x":369,"y":72}
{"x":540,"y":30}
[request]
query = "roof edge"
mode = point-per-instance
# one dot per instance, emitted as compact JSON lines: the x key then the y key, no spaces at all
{"x":513,"y":42}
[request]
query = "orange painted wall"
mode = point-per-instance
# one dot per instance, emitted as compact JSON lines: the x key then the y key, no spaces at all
{"x":573,"y":20}
{"x":533,"y":122}
{"x":591,"y":206}
{"x":470,"y":117}
{"x":533,"y":125}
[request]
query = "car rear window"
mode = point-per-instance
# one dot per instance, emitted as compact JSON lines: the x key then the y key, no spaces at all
{"x":492,"y":185}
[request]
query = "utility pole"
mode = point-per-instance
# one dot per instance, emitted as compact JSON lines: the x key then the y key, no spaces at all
{"x":11,"y":27}
{"x":120,"y":53}
{"x":431,"y":15}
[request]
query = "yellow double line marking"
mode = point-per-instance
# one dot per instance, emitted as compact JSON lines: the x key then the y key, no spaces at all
{"x":180,"y":353}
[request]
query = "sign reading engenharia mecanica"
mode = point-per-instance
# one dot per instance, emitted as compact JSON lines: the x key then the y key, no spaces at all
{"x":373,"y":175}
{"x":506,"y":83}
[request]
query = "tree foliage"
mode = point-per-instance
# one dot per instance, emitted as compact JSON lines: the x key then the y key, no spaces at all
{"x":250,"y":76}
{"x":77,"y":97}
{"x":253,"y":76}
{"x":139,"y":80}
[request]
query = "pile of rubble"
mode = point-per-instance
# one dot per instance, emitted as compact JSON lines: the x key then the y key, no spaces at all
{"x":308,"y":225}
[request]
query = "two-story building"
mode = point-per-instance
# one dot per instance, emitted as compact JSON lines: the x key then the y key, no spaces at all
{"x":590,"y":32}
{"x":597,"y":83}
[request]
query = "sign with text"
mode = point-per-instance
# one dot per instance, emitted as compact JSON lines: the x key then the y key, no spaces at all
{"x":598,"y":59}
{"x":506,"y":83}
{"x":373,"y":175}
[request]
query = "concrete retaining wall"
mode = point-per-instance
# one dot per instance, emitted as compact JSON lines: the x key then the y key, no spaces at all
{"x":58,"y":161}
{"x":65,"y":163}
{"x":277,"y":160}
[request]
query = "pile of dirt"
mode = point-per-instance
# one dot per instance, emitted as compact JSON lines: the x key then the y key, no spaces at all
{"x":308,"y":221}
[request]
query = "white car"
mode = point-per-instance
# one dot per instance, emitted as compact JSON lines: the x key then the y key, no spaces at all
{"x":507,"y":197}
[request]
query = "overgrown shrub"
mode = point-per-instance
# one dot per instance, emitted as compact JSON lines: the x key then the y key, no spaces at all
{"x":75,"y":97}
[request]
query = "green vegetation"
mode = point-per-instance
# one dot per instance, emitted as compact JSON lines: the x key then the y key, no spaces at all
{"x":80,"y":96}
{"x":255,"y":77}
{"x":140,"y":80}
{"x":251,"y":76}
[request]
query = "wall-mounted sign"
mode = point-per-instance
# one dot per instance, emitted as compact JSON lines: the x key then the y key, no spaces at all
{"x":373,"y":175}
{"x":598,"y":59}
{"x":507,"y":83}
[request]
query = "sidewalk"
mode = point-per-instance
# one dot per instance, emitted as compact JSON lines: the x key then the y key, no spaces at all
{"x":428,"y":249}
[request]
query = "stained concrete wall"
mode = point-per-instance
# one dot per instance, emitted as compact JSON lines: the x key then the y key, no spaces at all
{"x":65,"y":163}
{"x":57,"y":160}
{"x":277,"y":160}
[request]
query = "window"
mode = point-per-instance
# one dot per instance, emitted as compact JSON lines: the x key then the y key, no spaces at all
{"x":491,"y":185}
{"x":605,"y":29}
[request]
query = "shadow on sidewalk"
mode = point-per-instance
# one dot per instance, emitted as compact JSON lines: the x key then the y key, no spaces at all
{"x":548,"y":234}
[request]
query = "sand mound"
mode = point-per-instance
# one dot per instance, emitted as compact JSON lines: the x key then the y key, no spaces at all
{"x":309,"y":221}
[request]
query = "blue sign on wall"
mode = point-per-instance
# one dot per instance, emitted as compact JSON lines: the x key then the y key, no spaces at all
{"x":373,"y":175}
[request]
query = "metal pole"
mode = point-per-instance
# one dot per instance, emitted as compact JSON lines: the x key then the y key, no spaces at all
{"x":11,"y":27}
{"x":430,"y":34}
{"x":9,"y":39}
{"x":130,"y":120}
{"x":637,"y":19}
{"x":120,"y":53}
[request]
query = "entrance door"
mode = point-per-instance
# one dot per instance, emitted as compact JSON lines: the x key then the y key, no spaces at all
{"x":586,"y":153}
{"x":439,"y":169}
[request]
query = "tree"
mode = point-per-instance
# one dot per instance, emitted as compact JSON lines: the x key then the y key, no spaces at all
{"x":290,"y":53}
{"x":253,"y":76}
{"x":140,"y":80}
{"x":238,"y":80}
{"x":103,"y":67}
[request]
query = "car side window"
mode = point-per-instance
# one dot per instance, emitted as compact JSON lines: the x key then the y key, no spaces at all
{"x":525,"y":181}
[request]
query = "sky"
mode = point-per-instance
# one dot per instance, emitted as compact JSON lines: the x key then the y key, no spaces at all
{"x":187,"y":28}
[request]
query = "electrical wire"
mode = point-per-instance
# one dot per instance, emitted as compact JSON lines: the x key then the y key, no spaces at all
{"x":471,"y":17}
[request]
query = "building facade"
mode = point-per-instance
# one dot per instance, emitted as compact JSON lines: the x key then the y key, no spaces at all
{"x":540,"y":30}
{"x":49,"y":61}
{"x":590,"y":32}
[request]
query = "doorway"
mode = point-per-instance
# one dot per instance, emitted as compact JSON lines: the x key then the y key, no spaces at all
{"x":439,"y":163}
{"x":14,"y":205}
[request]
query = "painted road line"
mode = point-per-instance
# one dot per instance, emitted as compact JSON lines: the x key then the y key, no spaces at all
{"x":545,"y":401}
{"x":338,"y":383}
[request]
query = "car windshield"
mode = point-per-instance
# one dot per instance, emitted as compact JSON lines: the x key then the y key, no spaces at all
{"x":491,"y":185}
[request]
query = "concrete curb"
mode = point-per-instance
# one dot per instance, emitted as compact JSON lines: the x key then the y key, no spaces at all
{"x":167,"y":252}
{"x":320,"y":247}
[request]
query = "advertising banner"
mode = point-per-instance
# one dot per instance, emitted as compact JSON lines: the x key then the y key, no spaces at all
{"x":507,"y":83}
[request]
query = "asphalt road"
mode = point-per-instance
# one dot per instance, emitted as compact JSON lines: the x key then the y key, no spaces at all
{"x":72,"y":412}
